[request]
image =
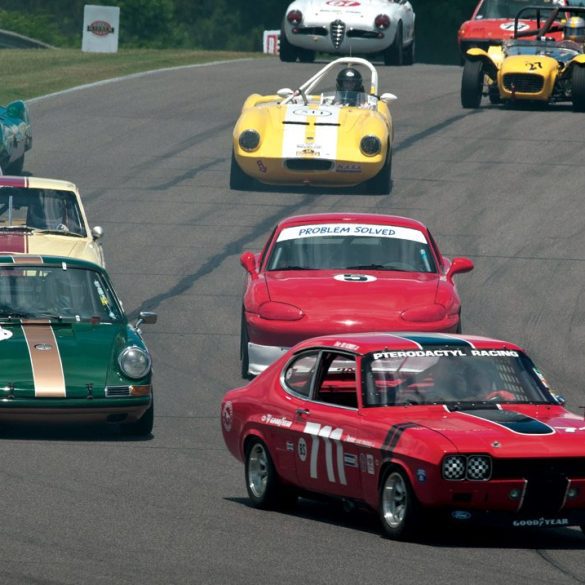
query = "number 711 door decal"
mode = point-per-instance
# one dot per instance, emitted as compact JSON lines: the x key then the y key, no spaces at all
{"x":327,"y":435}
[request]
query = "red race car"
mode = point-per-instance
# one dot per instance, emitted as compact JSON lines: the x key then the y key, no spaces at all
{"x":493,"y":21}
{"x":414,"y":426}
{"x":331,"y":273}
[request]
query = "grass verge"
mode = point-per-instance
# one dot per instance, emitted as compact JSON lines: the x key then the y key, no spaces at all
{"x":28,"y":73}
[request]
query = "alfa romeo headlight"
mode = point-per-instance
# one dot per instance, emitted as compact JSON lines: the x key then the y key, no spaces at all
{"x":134,"y":362}
{"x":370,"y":145}
{"x":249,"y":140}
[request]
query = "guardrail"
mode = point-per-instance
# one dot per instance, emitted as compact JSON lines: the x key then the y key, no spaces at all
{"x":12,"y":40}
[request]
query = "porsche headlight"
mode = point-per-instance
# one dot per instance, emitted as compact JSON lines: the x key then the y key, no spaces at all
{"x":370,"y":145}
{"x":249,"y":140}
{"x":134,"y":362}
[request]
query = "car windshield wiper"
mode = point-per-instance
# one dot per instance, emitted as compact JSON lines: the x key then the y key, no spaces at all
{"x":16,"y":228}
{"x":57,"y":232}
{"x":375,"y":267}
{"x":294,"y":268}
{"x":7,"y":314}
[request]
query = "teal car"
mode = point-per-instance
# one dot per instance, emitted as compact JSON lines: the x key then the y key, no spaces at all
{"x":15,"y":137}
{"x":67,"y":350}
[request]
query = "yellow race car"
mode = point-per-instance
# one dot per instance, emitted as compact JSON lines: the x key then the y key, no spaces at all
{"x":521,"y":70}
{"x":329,"y":132}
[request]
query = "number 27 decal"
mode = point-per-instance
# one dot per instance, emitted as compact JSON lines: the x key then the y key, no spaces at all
{"x":328,"y":436}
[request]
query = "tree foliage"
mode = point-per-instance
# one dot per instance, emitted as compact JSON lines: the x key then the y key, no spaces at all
{"x":213,"y":24}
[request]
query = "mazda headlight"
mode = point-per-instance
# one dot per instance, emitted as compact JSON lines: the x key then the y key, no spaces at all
{"x":134,"y":362}
{"x":249,"y":140}
{"x":370,"y":145}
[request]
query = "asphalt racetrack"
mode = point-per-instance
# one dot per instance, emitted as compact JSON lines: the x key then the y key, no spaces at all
{"x":151,"y":155}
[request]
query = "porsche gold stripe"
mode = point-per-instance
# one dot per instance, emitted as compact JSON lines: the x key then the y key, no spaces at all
{"x":45,"y":359}
{"x":27,"y":259}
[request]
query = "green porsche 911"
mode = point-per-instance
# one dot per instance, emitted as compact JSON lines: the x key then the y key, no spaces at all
{"x":67,"y":350}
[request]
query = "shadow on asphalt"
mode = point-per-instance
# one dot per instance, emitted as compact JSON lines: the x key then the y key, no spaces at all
{"x":335,"y":513}
{"x":360,"y":190}
{"x":67,"y":432}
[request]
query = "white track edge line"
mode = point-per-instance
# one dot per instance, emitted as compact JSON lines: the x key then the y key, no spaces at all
{"x":133,"y":76}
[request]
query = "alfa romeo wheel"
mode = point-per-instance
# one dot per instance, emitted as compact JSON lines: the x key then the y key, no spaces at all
{"x":409,"y":54}
{"x":394,"y":54}
{"x":287,"y":52}
{"x":578,"y":90}
{"x":399,"y":509}
{"x":472,"y":84}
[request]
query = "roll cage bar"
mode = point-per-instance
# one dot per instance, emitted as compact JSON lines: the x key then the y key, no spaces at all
{"x":549,"y":23}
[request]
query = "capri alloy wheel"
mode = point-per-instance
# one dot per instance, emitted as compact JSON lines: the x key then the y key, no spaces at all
{"x":258,"y":471}
{"x":398,"y":505}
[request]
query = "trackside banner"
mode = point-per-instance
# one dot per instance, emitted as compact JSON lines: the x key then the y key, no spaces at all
{"x":101,"y":25}
{"x":271,"y":42}
{"x":351,"y":229}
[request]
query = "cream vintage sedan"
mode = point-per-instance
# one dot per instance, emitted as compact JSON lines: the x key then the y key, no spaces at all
{"x":46,"y":217}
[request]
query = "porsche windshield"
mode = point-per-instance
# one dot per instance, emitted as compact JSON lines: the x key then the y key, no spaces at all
{"x":55,"y":292}
{"x":351,"y":247}
{"x":509,"y":8}
{"x":444,"y":375}
{"x":40,"y":209}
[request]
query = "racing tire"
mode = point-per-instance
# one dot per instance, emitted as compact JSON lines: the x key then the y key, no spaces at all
{"x":239,"y":181}
{"x":578,"y":89}
{"x":244,"y":355}
{"x":143,"y":426}
{"x":288,"y":53}
{"x":15,"y":167}
{"x":459,"y":329}
{"x":394,"y":54}
{"x":494,"y":94}
{"x":400,"y":511}
{"x":472,"y":84}
{"x":582,"y":529}
{"x":307,"y":56}
{"x":380,"y":184}
{"x":262,"y":482}
{"x":409,"y":52}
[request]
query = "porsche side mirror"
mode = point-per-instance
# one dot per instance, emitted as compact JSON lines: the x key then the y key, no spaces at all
{"x":284,"y":92}
{"x":147,"y":318}
{"x":248,"y":261}
{"x":459,"y":266}
{"x":97,"y":232}
{"x":388,"y":97}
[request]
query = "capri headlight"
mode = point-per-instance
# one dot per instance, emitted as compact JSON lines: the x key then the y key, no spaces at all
{"x":249,"y":140}
{"x":134,"y":362}
{"x":370,"y":145}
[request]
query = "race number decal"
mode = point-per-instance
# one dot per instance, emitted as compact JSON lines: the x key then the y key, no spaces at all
{"x":328,"y":436}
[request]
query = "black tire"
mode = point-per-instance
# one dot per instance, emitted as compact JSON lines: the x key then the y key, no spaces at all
{"x":244,"y":356}
{"x":578,"y":89}
{"x":494,"y":94}
{"x":306,"y":56}
{"x":394,"y":54}
{"x":472,"y":84}
{"x":400,"y":512}
{"x":409,"y":54}
{"x":582,"y":528}
{"x":287,"y":52}
{"x":239,"y":181}
{"x":262,"y":482}
{"x":380,"y":184}
{"x":15,"y":167}
{"x":143,"y":426}
{"x":459,"y":326}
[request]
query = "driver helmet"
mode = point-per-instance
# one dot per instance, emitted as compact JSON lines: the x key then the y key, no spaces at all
{"x":575,"y":29}
{"x":349,"y":79}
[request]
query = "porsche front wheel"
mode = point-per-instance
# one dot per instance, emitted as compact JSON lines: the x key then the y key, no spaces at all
{"x":578,"y":90}
{"x":143,"y":426}
{"x":472,"y":84}
{"x":399,"y":509}
{"x":239,"y":181}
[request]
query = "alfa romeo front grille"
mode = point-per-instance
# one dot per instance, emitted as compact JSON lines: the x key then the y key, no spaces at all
{"x":337,"y":29}
{"x":307,"y":164}
{"x":117,"y":391}
{"x":523,"y":82}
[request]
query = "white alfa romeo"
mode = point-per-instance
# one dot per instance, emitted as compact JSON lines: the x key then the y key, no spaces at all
{"x":348,"y":27}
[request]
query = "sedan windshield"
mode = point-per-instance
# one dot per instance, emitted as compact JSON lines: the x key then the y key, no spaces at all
{"x":56,"y":292}
{"x":509,"y":8}
{"x":40,"y":209}
{"x":444,"y":375}
{"x":351,"y":247}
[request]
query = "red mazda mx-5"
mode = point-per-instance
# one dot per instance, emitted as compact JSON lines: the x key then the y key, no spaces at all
{"x":492,"y":22}
{"x":412,"y":425}
{"x":331,"y":273}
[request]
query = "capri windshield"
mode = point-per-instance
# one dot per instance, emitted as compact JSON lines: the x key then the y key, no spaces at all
{"x":434,"y":375}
